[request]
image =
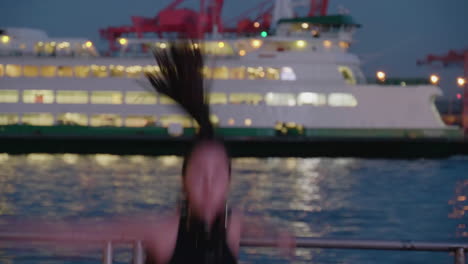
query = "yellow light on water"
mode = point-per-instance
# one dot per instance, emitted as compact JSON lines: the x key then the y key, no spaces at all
{"x":434,"y":79}
{"x":300,"y":43}
{"x":461,"y":81}
{"x":5,"y":39}
{"x":221,"y":44}
{"x":88,"y":44}
{"x":256,"y":24}
{"x":123,"y":41}
{"x":241,"y":52}
{"x":305,"y":25}
{"x":256,"y":43}
{"x":381,"y":76}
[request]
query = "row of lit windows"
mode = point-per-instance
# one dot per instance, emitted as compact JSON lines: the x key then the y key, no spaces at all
{"x":147,"y":98}
{"x":136,"y":71}
{"x":48,"y":119}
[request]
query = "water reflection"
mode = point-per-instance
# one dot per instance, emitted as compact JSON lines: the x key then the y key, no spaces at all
{"x":315,"y":197}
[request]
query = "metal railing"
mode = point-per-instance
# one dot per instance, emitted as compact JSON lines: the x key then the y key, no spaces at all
{"x":458,"y":249}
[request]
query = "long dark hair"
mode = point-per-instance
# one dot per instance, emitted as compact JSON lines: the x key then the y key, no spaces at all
{"x":180,"y":77}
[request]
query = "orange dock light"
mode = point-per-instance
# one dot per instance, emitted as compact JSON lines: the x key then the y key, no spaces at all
{"x":381,"y":76}
{"x":434,"y":79}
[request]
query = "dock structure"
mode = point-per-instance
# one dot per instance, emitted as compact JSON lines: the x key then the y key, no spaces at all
{"x":459,"y":250}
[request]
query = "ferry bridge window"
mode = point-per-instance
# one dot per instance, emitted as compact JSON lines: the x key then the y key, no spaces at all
{"x":50,"y":48}
{"x":9,"y":96}
{"x":106,"y":97}
{"x":8,"y":119}
{"x":140,"y":121}
{"x":1,"y":70}
{"x":245,"y":98}
{"x":117,"y":71}
{"x":39,"y":48}
{"x":140,"y":98}
{"x":221,"y":73}
{"x":13,"y":70}
{"x":272,"y":74}
{"x":99,"y":71}
{"x":217,"y":98}
{"x":38,"y":96}
{"x":134,"y":71}
{"x":280,"y":99}
{"x":48,"y":71}
{"x":30,"y":71}
{"x":165,"y":100}
{"x":347,"y":74}
{"x":176,"y":119}
{"x":237,"y":73}
{"x":75,"y":119}
{"x":342,"y":100}
{"x":65,"y":71}
{"x":81,"y":71}
{"x":106,"y":120}
{"x":255,"y":73}
{"x":314,"y":99}
{"x":72,"y":97}
{"x":287,"y":74}
{"x":38,"y":119}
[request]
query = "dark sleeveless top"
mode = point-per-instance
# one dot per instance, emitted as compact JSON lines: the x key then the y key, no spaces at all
{"x":195,"y":245}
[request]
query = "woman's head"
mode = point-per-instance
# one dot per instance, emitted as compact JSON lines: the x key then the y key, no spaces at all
{"x":206,"y":175}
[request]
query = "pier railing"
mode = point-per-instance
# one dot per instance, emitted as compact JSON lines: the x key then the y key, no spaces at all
{"x":458,"y":249}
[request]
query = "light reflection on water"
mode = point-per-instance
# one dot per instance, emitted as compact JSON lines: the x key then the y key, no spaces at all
{"x":315,"y":197}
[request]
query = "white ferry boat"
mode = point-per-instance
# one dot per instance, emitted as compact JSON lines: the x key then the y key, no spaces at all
{"x":303,"y":73}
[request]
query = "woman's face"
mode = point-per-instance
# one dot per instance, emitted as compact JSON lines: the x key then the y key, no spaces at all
{"x":206,"y":181}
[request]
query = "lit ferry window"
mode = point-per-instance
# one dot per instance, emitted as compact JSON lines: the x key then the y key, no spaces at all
{"x":13,"y":70}
{"x":347,"y":74}
{"x":140,"y":98}
{"x":287,"y":74}
{"x":342,"y":100}
{"x":140,"y":121}
{"x":237,"y":73}
{"x":214,"y":119}
{"x":106,"y":120}
{"x":255,"y":73}
{"x":311,"y":99}
{"x":280,"y":99}
{"x":134,"y":71}
{"x":74,"y":119}
{"x":117,"y":71}
{"x":9,"y":96}
{"x":176,"y":119}
{"x":48,"y":71}
{"x":248,"y":122}
{"x":72,"y":97}
{"x":65,"y":71}
{"x":1,"y":70}
{"x":165,"y":100}
{"x":207,"y":72}
{"x":272,"y":74}
{"x":106,"y":97}
{"x":221,"y":73}
{"x":99,"y":71}
{"x":30,"y":71}
{"x":217,"y":98}
{"x":151,"y":69}
{"x":38,"y":119}
{"x":81,"y":71}
{"x":8,"y":119}
{"x":38,"y":96}
{"x":245,"y":98}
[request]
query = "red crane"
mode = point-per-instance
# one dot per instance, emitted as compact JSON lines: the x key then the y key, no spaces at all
{"x":318,"y":7}
{"x":459,"y":58}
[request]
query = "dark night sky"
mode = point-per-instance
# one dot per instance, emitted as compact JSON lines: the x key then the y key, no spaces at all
{"x":394,"y":35}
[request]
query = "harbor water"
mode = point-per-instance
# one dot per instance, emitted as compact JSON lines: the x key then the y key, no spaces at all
{"x":420,"y":200}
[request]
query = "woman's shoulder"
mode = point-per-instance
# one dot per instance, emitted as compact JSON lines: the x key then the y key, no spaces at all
{"x":161,"y":238}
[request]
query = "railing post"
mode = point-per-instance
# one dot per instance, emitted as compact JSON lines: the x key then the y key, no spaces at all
{"x":107,"y":253}
{"x":137,"y":252}
{"x":460,"y":256}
